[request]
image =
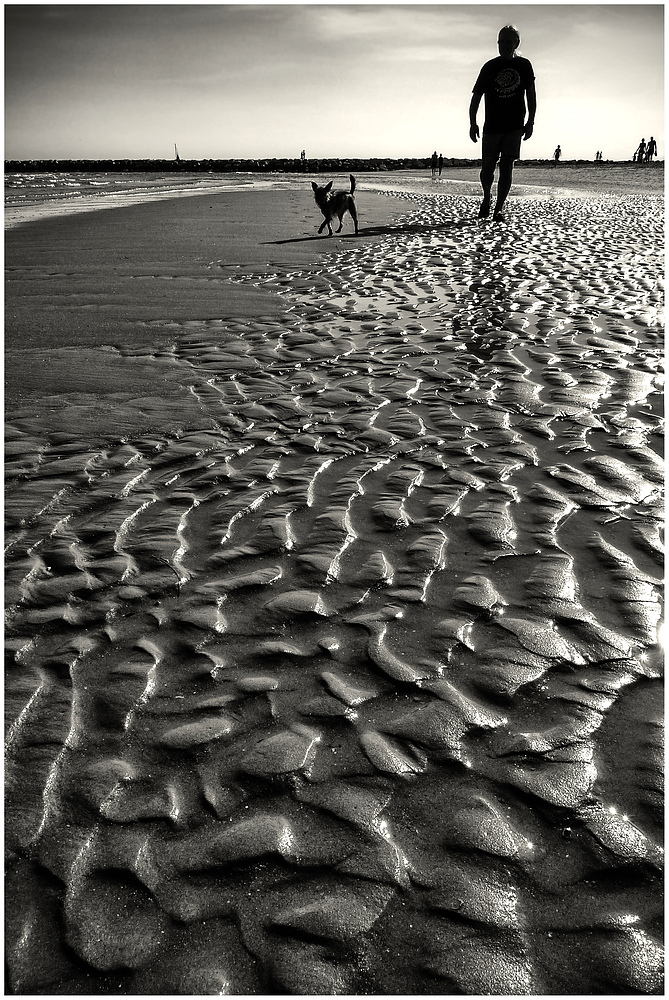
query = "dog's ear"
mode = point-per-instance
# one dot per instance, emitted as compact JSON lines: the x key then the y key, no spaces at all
{"x":314,"y":185}
{"x":328,"y":186}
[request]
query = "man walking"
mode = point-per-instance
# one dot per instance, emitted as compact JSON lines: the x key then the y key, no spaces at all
{"x":504,"y":81}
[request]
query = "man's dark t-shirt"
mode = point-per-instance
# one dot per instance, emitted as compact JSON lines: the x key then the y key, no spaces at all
{"x":504,"y":83}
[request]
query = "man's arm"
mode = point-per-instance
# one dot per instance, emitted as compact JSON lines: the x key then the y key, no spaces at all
{"x":531,"y":110}
{"x":473,"y":109}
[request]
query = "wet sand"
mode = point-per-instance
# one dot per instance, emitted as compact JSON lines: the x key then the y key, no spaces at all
{"x":134,"y":277}
{"x":333,"y":579}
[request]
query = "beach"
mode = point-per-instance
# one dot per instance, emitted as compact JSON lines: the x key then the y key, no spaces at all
{"x":333,"y":585}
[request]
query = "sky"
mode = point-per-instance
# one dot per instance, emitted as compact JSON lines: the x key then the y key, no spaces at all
{"x":116,"y":81}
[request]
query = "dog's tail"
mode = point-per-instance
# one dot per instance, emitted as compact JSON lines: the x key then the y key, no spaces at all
{"x":352,"y":179}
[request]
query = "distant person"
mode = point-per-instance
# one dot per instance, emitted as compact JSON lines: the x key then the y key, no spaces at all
{"x":504,"y":81}
{"x":651,"y":150}
{"x":434,"y":164}
{"x":441,"y":164}
{"x":641,"y":151}
{"x":557,"y":154}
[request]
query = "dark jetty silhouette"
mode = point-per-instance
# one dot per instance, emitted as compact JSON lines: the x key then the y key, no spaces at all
{"x":265,"y":165}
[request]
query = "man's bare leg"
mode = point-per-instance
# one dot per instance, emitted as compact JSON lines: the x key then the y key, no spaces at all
{"x":487,"y":176}
{"x":503,"y":185}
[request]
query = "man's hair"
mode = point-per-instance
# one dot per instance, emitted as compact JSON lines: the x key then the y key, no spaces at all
{"x":509,"y":29}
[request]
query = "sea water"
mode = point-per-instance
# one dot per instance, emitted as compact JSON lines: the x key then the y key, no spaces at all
{"x":32,"y":196}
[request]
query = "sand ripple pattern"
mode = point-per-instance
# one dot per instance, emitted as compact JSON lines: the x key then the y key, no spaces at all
{"x":353,"y":685}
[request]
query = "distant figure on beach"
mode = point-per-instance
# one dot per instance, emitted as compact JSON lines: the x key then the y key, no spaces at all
{"x":651,"y":150}
{"x":434,"y":163}
{"x":641,"y":151}
{"x":557,"y":154}
{"x":504,"y":81}
{"x":441,"y":164}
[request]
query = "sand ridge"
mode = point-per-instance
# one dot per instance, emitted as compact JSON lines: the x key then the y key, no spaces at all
{"x":351,"y":683}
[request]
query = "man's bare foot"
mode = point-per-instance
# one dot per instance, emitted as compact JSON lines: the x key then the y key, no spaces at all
{"x":498,"y":215}
{"x":484,"y":210}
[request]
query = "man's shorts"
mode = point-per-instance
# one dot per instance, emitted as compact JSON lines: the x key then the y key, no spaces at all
{"x":496,"y":144}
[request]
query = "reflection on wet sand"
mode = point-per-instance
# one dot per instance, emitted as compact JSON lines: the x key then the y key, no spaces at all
{"x":354,"y":686}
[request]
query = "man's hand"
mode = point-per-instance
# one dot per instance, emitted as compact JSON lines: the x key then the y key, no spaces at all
{"x":473,"y":131}
{"x":528,"y":130}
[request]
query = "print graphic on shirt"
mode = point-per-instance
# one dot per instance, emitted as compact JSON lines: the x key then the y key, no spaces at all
{"x":507,"y":82}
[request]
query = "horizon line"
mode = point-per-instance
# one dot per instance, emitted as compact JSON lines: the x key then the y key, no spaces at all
{"x":454,"y":160}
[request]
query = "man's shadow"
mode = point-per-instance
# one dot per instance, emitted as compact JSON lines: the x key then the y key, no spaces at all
{"x":401,"y":229}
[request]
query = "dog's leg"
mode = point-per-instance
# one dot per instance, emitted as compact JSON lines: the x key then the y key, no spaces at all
{"x":322,"y":227}
{"x":354,"y":216}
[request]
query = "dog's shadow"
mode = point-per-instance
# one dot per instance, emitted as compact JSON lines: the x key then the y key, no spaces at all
{"x":400,"y":229}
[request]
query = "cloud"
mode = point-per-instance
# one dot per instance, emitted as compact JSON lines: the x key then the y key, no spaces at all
{"x":400,"y":72}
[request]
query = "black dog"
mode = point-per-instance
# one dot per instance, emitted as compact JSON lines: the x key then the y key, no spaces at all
{"x":335,"y":204}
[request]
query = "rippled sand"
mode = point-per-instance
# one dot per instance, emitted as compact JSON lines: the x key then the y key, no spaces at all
{"x":350,"y":682}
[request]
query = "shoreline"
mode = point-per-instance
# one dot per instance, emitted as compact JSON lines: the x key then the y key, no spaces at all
{"x":529,"y":180}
